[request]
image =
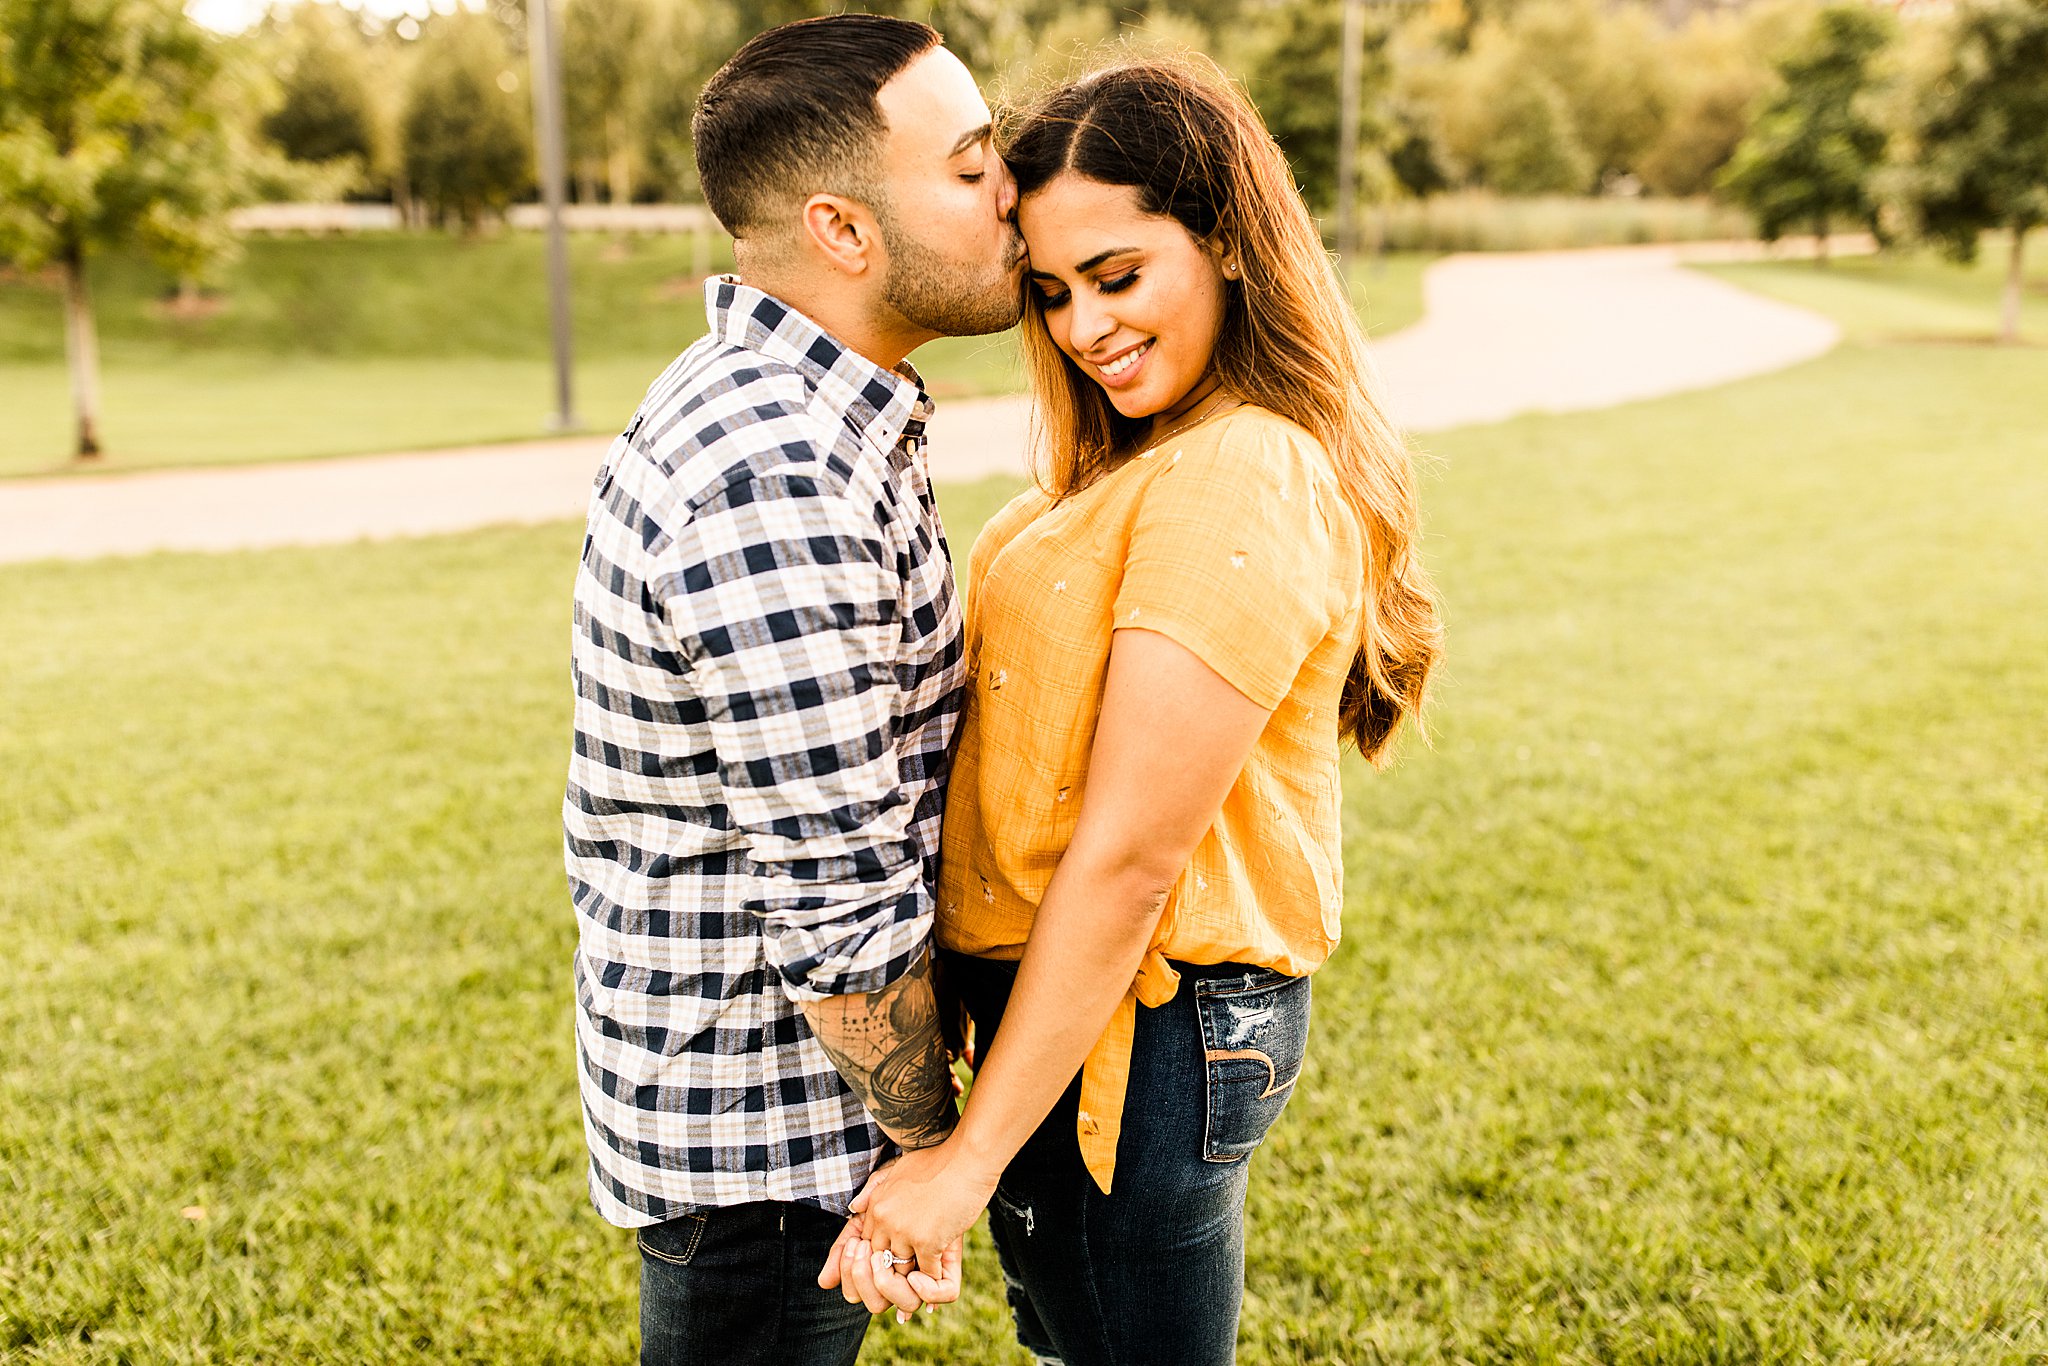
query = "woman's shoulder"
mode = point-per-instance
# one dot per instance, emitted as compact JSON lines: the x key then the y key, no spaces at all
{"x":1255,"y":429}
{"x":1253,"y":444}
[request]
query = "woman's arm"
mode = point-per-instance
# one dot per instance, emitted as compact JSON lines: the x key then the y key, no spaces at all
{"x":1172,"y":738}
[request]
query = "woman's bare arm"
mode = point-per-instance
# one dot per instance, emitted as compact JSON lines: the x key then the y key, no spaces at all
{"x":1171,"y":741}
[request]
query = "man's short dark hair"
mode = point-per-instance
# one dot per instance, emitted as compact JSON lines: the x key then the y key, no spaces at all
{"x":793,"y":114}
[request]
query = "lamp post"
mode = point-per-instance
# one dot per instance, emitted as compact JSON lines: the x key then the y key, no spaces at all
{"x":547,"y":118}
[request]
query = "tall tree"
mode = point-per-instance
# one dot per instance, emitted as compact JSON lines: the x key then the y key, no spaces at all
{"x":326,"y":110}
{"x":1294,"y":81}
{"x":605,"y":64}
{"x":465,"y":130}
{"x":115,"y":131}
{"x":1812,"y":155}
{"x":1979,"y":139}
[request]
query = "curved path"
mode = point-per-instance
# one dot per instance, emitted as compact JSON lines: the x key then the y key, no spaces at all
{"x":1503,"y":334}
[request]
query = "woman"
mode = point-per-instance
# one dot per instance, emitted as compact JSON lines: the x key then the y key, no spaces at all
{"x":1168,"y":645}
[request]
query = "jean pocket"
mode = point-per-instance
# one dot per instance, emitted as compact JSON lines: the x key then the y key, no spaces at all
{"x":1254,"y":1035}
{"x":674,"y":1242}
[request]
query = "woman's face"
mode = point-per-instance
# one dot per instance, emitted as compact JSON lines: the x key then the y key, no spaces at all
{"x":1131,"y":297}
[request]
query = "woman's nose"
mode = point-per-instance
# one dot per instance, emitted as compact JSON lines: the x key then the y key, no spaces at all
{"x":1092,"y":323}
{"x":1006,"y":193}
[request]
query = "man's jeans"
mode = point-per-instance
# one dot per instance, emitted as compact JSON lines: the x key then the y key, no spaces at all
{"x":738,"y":1286}
{"x":1153,"y":1273}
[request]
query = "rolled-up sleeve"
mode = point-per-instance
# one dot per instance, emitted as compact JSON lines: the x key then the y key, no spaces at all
{"x":785,"y":599}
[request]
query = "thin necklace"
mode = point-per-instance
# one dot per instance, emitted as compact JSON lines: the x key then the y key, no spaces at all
{"x":1216,"y":403}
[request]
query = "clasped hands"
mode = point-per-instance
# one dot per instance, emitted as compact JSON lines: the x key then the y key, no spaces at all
{"x":901,"y":1244}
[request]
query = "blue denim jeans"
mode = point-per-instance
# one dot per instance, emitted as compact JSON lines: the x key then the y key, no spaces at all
{"x":738,"y":1286}
{"x":1154,"y":1272}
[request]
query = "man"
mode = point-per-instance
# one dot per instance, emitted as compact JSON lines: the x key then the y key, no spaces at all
{"x":768,"y":664}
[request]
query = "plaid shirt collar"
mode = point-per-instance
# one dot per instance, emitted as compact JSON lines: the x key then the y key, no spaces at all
{"x":890,"y":406}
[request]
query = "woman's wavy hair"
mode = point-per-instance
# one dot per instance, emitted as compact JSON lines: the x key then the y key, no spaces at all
{"x":1189,"y":141}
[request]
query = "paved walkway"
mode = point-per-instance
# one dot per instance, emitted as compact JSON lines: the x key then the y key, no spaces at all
{"x":1504,"y":334}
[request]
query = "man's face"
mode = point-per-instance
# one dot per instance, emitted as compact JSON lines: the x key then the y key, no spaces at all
{"x":956,"y":259}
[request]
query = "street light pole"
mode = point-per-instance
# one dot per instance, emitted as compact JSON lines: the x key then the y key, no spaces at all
{"x":547,"y":118}
{"x":1350,"y":70}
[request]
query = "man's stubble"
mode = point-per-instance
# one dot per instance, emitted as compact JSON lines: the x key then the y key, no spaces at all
{"x":945,"y":296}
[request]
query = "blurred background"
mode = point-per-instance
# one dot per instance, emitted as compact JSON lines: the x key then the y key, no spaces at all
{"x":1692,"y":1004}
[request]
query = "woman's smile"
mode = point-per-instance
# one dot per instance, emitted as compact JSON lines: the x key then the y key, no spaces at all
{"x":1122,"y":368}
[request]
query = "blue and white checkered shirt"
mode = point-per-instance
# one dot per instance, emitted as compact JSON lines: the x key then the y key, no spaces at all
{"x":768,"y":665}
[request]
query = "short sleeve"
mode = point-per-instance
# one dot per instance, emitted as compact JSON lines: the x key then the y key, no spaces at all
{"x":1230,"y":555}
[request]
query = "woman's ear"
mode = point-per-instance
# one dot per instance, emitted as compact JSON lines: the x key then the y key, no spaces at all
{"x":1226,"y":255}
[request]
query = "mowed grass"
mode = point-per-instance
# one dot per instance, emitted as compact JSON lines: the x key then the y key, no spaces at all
{"x":335,"y":346}
{"x":1690,"y":1011}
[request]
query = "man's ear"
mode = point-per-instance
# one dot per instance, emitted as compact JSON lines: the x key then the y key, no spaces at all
{"x":844,"y":231}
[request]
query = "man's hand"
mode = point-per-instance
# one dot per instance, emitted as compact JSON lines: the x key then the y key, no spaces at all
{"x":856,"y":1269}
{"x":922,"y":1204}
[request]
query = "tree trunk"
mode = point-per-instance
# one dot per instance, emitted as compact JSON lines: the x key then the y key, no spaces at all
{"x":1820,"y":241}
{"x":620,"y":162}
{"x":2015,"y":285}
{"x":82,"y":351}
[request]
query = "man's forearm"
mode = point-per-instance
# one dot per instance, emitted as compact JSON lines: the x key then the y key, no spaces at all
{"x":889,"y":1047}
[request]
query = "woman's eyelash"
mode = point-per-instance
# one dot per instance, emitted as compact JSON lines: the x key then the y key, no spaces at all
{"x":1049,"y":300}
{"x":974,"y":179}
{"x":1119,"y":284}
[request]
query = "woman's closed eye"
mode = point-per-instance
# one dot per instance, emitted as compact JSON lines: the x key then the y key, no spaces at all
{"x":1119,"y":284}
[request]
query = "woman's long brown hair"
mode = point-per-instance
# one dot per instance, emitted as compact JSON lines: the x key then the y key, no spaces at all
{"x":1192,"y":145}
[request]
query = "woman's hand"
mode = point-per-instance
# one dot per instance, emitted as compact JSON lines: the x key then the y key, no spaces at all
{"x":859,"y":1272}
{"x":921,"y":1205}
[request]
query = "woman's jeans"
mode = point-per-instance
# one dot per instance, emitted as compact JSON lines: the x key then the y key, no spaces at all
{"x":1153,"y":1273}
{"x":737,"y":1285}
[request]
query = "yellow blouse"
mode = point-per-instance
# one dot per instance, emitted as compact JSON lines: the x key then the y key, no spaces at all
{"x":1233,"y":539}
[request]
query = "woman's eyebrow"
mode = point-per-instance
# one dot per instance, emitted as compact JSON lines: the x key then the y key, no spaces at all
{"x":1099,"y":257}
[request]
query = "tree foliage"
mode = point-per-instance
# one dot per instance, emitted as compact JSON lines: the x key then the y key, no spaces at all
{"x":1294,"y":81}
{"x":605,"y":66}
{"x":327,"y":110}
{"x":1811,"y":158}
{"x":117,"y":129}
{"x":468,"y":150}
{"x":1977,"y":136}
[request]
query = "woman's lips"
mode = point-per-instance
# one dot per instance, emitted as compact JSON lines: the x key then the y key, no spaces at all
{"x":1124,"y":368}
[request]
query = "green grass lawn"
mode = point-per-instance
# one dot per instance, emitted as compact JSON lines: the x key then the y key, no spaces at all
{"x":1911,"y":297}
{"x":1691,"y":1009}
{"x":331,"y":346}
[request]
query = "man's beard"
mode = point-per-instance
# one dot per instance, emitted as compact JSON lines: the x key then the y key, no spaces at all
{"x":946,"y":296}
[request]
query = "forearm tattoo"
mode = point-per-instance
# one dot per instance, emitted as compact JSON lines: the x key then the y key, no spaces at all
{"x":891,"y":1050}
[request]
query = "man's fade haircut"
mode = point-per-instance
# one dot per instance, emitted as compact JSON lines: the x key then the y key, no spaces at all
{"x":794,"y":114}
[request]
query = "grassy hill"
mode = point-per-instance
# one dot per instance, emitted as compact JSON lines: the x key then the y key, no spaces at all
{"x":330,"y":346}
